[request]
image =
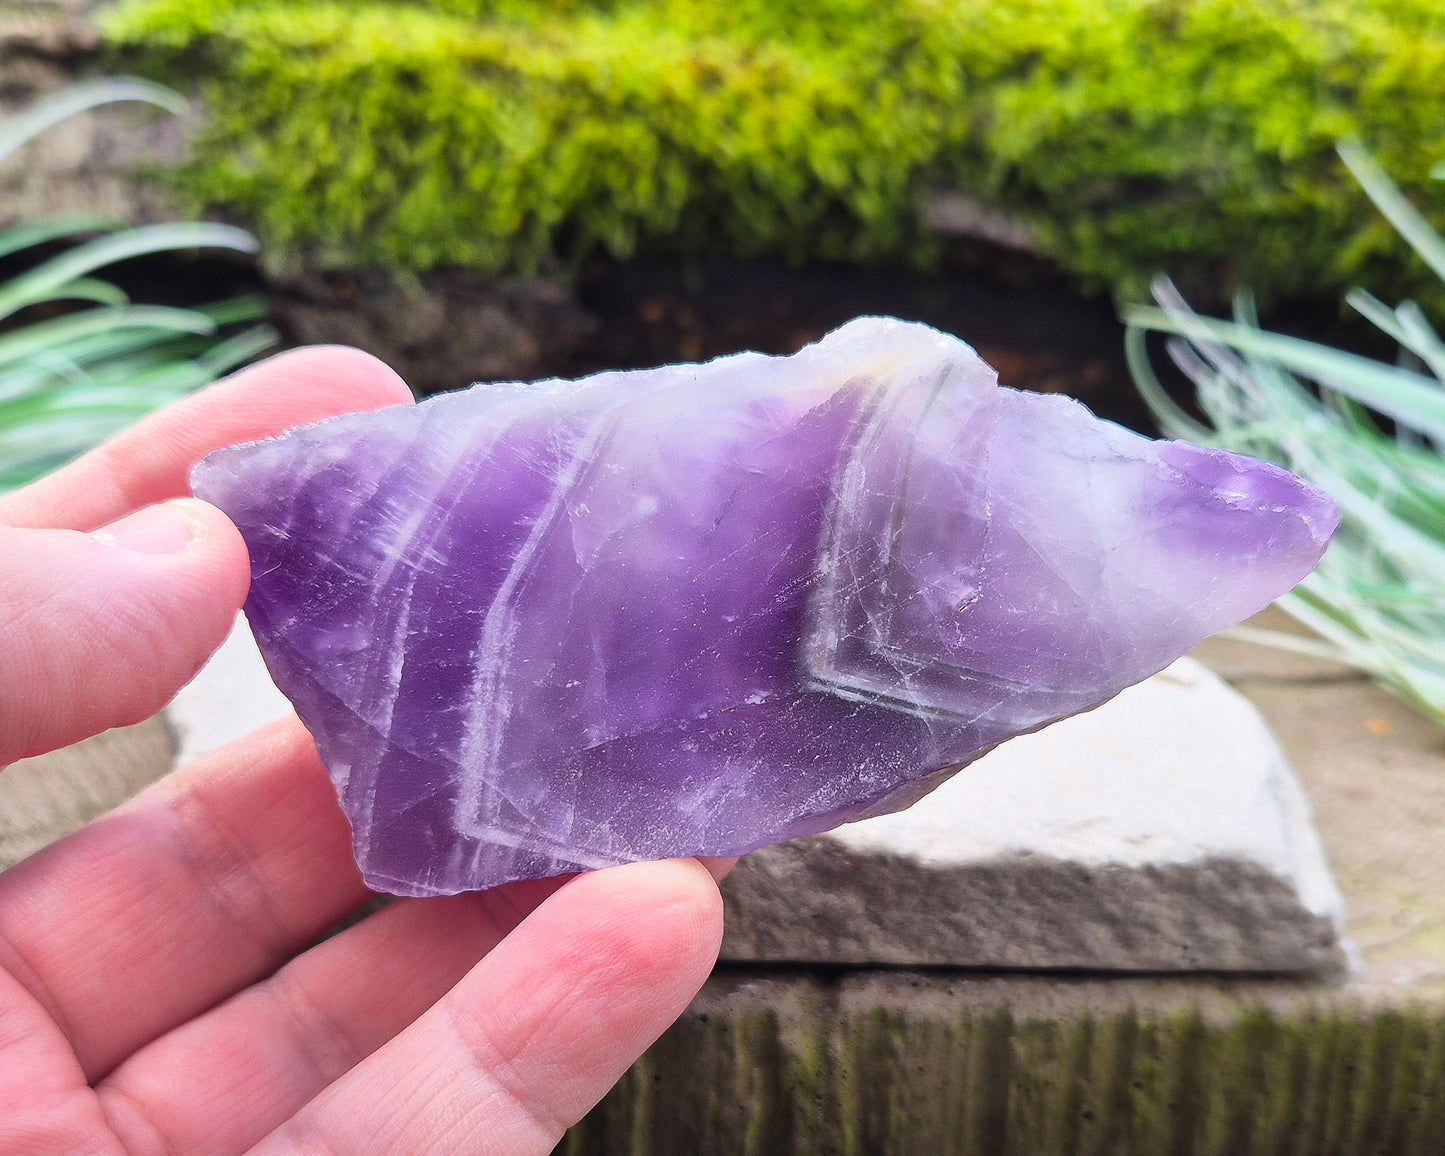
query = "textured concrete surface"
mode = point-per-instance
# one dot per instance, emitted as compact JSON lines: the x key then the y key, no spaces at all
{"x":1163,"y":831}
{"x":803,"y":1061}
{"x":230,"y":697}
{"x":43,"y":798}
{"x":910,"y":1063}
{"x":1374,"y":772}
{"x":808,"y":1060}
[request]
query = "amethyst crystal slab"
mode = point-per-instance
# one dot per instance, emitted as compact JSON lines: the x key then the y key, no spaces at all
{"x":542,"y":627}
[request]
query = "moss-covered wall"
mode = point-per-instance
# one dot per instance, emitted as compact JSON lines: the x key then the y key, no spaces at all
{"x":967,"y":1067}
{"x":1134,"y":136}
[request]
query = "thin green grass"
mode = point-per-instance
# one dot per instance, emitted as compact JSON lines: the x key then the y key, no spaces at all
{"x":1367,"y":432}
{"x":72,"y":379}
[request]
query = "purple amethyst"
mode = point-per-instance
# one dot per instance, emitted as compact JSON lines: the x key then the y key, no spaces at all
{"x":693,"y":610}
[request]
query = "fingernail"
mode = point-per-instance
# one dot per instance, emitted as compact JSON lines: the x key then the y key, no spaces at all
{"x":167,"y":528}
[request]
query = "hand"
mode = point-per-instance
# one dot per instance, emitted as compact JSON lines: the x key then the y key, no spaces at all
{"x":158,"y":987}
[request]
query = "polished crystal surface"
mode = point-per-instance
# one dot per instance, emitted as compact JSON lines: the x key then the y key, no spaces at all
{"x":694,"y":610}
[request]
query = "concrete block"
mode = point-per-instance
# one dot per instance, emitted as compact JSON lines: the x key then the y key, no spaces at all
{"x":230,"y":697}
{"x":1163,"y":831}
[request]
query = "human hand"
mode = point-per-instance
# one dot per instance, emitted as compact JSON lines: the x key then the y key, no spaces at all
{"x":158,"y":987}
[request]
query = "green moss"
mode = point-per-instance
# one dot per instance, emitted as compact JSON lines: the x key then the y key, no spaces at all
{"x":1132,"y":135}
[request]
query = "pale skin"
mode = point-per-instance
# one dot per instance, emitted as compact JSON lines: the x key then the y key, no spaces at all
{"x":159,"y":991}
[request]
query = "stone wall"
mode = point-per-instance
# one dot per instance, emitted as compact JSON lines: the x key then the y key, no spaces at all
{"x":84,"y":165}
{"x":440,"y":332}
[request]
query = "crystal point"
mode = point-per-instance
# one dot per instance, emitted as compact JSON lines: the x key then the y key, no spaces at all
{"x":693,"y":610}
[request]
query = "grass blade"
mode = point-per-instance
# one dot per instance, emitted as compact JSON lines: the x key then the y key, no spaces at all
{"x":37,"y":338}
{"x":1409,"y":222}
{"x":107,"y":250}
{"x":17,"y":238}
{"x":79,"y":97}
{"x":68,"y":382}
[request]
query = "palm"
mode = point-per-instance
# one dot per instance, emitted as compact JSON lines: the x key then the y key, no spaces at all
{"x":156,"y":988}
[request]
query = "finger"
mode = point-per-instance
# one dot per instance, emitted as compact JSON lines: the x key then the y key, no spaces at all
{"x":150,"y":461}
{"x":537,"y":1032}
{"x":100,"y":630}
{"x":719,"y":869}
{"x":204,"y":883}
{"x":245,"y":1067}
{"x":48,"y":1107}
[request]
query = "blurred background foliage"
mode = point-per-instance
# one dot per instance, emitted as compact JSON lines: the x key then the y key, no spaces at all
{"x":1131,"y":136}
{"x":1369,"y":433}
{"x":79,"y":360}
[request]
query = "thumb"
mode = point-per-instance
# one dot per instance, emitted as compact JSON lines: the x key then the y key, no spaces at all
{"x":99,"y":630}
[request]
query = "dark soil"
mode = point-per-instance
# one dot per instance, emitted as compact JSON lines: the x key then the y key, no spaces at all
{"x":1022,"y":318}
{"x":1021,"y":314}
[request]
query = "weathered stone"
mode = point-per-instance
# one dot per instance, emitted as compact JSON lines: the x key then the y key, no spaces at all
{"x":53,"y":28}
{"x":910,"y":1063}
{"x":84,"y":166}
{"x":441,"y":331}
{"x":1163,"y":831}
{"x":957,"y":214}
